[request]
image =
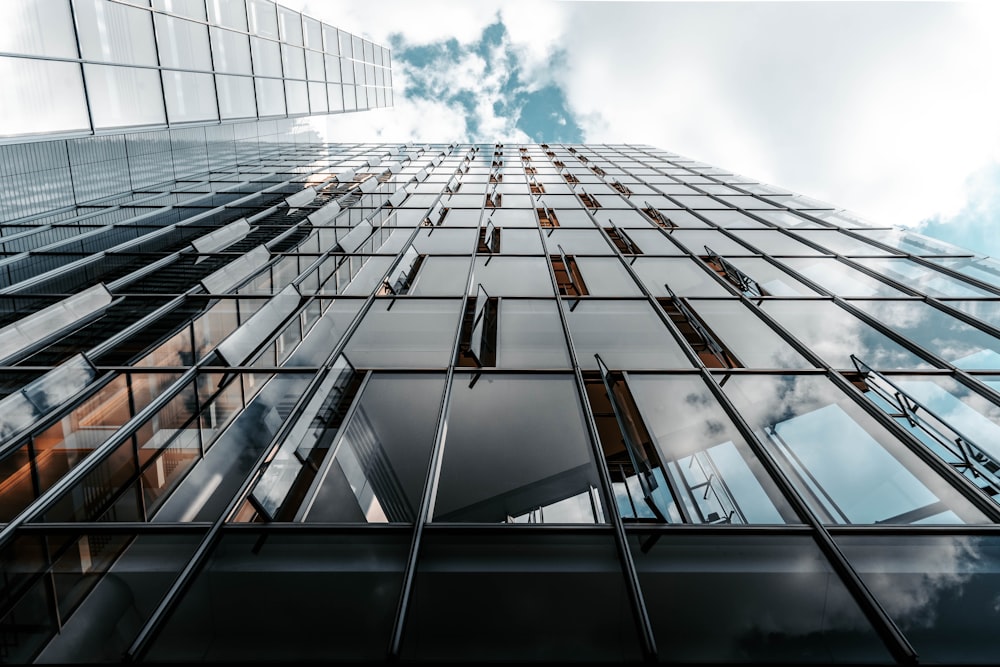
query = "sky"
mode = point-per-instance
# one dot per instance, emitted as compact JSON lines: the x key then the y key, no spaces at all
{"x":889,"y":109}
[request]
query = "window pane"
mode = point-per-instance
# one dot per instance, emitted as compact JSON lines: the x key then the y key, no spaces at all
{"x":290,"y":25}
{"x":606,"y":276}
{"x":228,"y":13}
{"x":513,"y":276}
{"x":49,"y":97}
{"x":627,"y":334}
{"x":293,"y":61}
{"x":236,"y":96}
{"x":414,"y":333}
{"x":116,"y":33}
{"x":531,"y":335}
{"x":270,"y":97}
{"x":839,"y":278}
{"x":844,"y":463}
{"x":297,"y":94}
{"x":189,"y":96}
{"x":533,"y":468}
{"x":266,"y":57}
{"x":122,"y":96}
{"x":20,"y":34}
{"x":720,"y":599}
{"x":747,"y":336}
{"x":231,"y":52}
{"x":684,"y":276}
{"x":923,"y":278}
{"x":263,"y":18}
{"x":377,"y":473}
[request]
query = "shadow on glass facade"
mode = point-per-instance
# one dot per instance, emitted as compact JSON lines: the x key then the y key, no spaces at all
{"x":487,"y":402}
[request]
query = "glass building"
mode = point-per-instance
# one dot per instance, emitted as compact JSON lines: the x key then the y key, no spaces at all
{"x":265,"y":398}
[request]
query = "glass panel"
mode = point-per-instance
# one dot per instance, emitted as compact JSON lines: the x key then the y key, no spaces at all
{"x":845,"y":465}
{"x":606,"y":276}
{"x":985,"y":269}
{"x":834,"y":334}
{"x":735,"y":599}
{"x":190,"y":96}
{"x":270,"y":97}
{"x":513,"y":276}
{"x":228,"y":13}
{"x":627,"y":334}
{"x":297,"y":95}
{"x":986,"y":311}
{"x":558,"y":598}
{"x":231,"y":52}
{"x":182,"y":44}
{"x":940,"y":590}
{"x":530,"y":335}
{"x":290,"y":25}
{"x":747,"y":336}
{"x":441,"y":276}
{"x":115,"y":33}
{"x":236,"y":96}
{"x":21,"y":20}
{"x":192,"y":9}
{"x":684,"y":276}
{"x":923,"y":278}
{"x":263,"y":18}
{"x":293,"y":61}
{"x":770,"y":278}
{"x":939,"y":333}
{"x":122,"y":96}
{"x":413,"y":333}
{"x":536,"y":468}
{"x":913,"y":243}
{"x":840,"y":279}
{"x":377,"y":473}
{"x":335,"y":594}
{"x":266,"y":57}
{"x":653,"y":242}
{"x":577,"y":242}
{"x":695,"y":241}
{"x":49,"y":97}
{"x":706,"y":461}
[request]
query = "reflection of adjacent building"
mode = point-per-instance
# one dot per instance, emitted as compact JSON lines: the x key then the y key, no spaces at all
{"x":391,"y":398}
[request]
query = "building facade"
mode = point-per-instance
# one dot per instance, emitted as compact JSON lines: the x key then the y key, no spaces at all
{"x":497,"y":402}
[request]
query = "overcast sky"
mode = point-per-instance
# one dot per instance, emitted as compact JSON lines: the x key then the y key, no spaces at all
{"x":890,"y":109}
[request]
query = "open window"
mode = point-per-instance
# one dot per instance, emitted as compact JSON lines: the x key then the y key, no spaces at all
{"x":570,"y":178}
{"x":620,"y":238}
{"x":489,"y":239}
{"x":622,"y":188}
{"x":568,"y":277}
{"x":535,"y":187}
{"x":588,"y":200}
{"x":733,"y":275}
{"x":494,"y":198}
{"x":435,"y":218}
{"x":658,"y":218}
{"x":546,"y":216}
{"x":597,"y":170}
{"x":697,"y":334}
{"x":478,"y":341}
{"x":404,"y":275}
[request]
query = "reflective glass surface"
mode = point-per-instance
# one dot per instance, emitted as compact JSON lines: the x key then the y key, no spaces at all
{"x":627,"y":334}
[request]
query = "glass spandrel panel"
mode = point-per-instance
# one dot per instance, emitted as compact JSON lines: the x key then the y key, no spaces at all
{"x":236,"y":96}
{"x":923,"y":278}
{"x":231,"y":52}
{"x":228,"y":13}
{"x":530,"y":335}
{"x":941,"y":591}
{"x":266,"y":57}
{"x":270,"y":97}
{"x":513,"y":276}
{"x":190,"y":96}
{"x":848,"y":467}
{"x":115,"y":33}
{"x":771,"y":279}
{"x":606,"y":276}
{"x":749,"y":598}
{"x":983,"y":269}
{"x":654,"y":242}
{"x":337,"y":595}
{"x":535,"y":468}
{"x":293,"y":61}
{"x":441,"y":276}
{"x":839,"y":278}
{"x":835,"y":334}
{"x":560,"y":598}
{"x":683,"y":275}
{"x":49,"y":94}
{"x":628,"y":335}
{"x":841,"y":243}
{"x":376,"y":474}
{"x":987,"y":311}
{"x":937,"y":332}
{"x":20,"y":34}
{"x":297,"y":95}
{"x":123,"y":96}
{"x":413,"y":333}
{"x":182,"y":44}
{"x":520,"y":242}
{"x":696,"y":240}
{"x":263,"y":18}
{"x":746,"y":335}
{"x":708,"y":463}
{"x":773,"y":242}
{"x":913,"y":243}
